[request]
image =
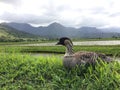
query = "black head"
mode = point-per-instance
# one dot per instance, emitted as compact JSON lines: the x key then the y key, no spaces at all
{"x":62,"y":41}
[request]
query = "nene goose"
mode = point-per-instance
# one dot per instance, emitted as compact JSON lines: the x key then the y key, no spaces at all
{"x":72,"y":59}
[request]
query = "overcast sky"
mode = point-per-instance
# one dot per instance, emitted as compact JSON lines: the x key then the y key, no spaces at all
{"x":77,"y":13}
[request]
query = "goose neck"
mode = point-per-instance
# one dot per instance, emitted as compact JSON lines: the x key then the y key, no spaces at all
{"x":69,"y":50}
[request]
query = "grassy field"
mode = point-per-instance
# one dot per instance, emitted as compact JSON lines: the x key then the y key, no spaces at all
{"x":19,"y":70}
{"x":108,"y":50}
{"x":24,"y":72}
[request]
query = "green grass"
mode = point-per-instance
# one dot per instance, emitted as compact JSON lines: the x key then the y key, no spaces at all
{"x":20,"y":71}
{"x":25,"y":72}
{"x":108,"y":50}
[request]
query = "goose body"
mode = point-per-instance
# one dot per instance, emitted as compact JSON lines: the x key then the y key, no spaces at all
{"x":72,"y":59}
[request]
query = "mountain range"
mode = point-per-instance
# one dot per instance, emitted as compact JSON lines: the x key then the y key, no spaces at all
{"x":56,"y":30}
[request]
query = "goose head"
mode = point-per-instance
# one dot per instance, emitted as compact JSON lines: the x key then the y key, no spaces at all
{"x":68,"y":44}
{"x":65,"y":41}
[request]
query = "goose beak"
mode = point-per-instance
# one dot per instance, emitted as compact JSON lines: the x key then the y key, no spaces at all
{"x":58,"y":43}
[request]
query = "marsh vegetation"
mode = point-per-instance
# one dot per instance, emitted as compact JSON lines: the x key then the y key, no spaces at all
{"x":20,"y":69}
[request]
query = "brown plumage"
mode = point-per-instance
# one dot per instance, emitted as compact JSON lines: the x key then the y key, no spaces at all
{"x":72,"y":59}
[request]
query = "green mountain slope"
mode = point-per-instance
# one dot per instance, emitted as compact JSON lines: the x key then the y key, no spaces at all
{"x":8,"y":33}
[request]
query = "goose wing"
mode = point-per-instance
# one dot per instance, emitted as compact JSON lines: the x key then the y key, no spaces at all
{"x":89,"y":57}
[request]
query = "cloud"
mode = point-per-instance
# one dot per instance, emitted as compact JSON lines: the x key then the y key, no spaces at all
{"x":12,"y":2}
{"x":27,"y":18}
{"x":77,"y":13}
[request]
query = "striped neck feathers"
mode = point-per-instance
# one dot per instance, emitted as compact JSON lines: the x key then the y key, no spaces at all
{"x":69,"y":49}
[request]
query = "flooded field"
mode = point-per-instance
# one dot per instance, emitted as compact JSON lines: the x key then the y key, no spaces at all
{"x":115,"y":42}
{"x":46,"y":54}
{"x":61,"y":55}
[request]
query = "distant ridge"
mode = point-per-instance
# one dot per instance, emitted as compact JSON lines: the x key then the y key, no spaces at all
{"x":56,"y":30}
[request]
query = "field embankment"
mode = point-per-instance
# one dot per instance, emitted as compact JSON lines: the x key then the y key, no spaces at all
{"x":112,"y":50}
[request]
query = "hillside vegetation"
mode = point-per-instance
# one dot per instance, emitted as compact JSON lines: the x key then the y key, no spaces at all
{"x":10,"y":34}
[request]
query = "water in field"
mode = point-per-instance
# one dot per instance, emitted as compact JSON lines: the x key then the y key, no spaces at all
{"x":45,"y":54}
{"x":113,"y":42}
{"x":116,"y":42}
{"x":61,"y":55}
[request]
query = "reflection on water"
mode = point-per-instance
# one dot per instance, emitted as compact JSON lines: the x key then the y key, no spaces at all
{"x":50,"y":55}
{"x":117,"y":59}
{"x":45,"y":54}
{"x":116,"y":42}
{"x":61,"y":55}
